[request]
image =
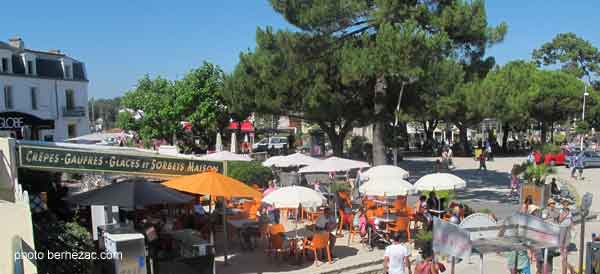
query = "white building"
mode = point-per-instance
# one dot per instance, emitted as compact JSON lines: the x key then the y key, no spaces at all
{"x":43,"y":95}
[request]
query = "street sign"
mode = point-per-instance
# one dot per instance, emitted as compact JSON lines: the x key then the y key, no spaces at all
{"x":586,"y":202}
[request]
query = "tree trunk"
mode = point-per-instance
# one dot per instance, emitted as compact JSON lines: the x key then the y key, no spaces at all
{"x":505,"y":131}
{"x":379,"y":157}
{"x":336,"y":138}
{"x":552,"y":132}
{"x":543,"y":132}
{"x":462,"y":132}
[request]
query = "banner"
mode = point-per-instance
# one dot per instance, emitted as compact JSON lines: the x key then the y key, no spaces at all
{"x":532,"y":228}
{"x":450,"y":240}
{"x":79,"y":160}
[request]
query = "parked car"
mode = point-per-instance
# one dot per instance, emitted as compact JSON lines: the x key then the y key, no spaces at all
{"x":590,"y":159}
{"x":271,"y":143}
{"x":557,"y":159}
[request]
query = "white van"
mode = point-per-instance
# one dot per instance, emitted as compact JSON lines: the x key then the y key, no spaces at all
{"x":271,"y":143}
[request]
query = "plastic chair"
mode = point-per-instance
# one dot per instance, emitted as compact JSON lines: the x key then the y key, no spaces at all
{"x":319,"y":241}
{"x":252,"y":212}
{"x":402,"y":224}
{"x":276,"y":229}
{"x":379,"y":212}
{"x":276,"y":245}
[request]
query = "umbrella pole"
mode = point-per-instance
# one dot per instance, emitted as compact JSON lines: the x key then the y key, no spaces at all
{"x":226,"y":244}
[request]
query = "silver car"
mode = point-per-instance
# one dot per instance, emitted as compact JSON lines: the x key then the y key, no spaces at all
{"x":590,"y":159}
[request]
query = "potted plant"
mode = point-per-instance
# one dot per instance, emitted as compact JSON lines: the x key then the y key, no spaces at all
{"x":535,"y":184}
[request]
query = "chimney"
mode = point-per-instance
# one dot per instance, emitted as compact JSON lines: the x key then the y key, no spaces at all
{"x":16,"y":42}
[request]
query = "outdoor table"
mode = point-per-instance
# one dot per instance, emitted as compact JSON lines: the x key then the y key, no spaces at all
{"x":189,"y":241}
{"x":239,"y":224}
{"x":294,"y":236}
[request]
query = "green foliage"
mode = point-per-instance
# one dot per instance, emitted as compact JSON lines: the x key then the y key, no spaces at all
{"x":537,"y":173}
{"x":575,"y":55}
{"x":249,"y":172}
{"x":357,"y":147}
{"x":582,"y":127}
{"x":339,"y":186}
{"x":196,"y":98}
{"x":58,"y":236}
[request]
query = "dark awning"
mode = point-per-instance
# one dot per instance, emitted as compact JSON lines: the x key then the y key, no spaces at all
{"x":16,"y":120}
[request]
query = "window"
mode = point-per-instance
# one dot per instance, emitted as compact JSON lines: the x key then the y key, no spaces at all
{"x":30,"y":67}
{"x":4,"y":64}
{"x":34,"y":98}
{"x":70,"y":99}
{"x":8,"y":98}
{"x":68,"y":72}
{"x":72,"y":130}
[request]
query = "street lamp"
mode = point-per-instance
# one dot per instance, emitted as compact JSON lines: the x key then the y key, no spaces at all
{"x":585,"y":94}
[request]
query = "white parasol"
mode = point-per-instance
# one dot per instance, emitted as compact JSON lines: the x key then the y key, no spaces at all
{"x":292,"y":160}
{"x":233,"y":147}
{"x":292,"y":196}
{"x":386,"y":187}
{"x":440,"y":181}
{"x":226,"y":156}
{"x":333,"y":164}
{"x":386,"y":171}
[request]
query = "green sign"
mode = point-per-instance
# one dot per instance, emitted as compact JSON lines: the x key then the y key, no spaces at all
{"x":80,"y":160}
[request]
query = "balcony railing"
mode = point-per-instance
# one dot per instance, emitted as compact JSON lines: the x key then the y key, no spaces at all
{"x":73,"y":111}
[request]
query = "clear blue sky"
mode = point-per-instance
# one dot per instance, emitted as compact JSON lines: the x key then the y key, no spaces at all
{"x":120,"y":41}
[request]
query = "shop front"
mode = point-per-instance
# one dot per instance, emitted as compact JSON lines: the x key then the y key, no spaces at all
{"x":21,"y":125}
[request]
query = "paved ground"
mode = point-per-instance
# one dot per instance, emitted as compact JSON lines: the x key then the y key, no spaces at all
{"x":485,"y":189}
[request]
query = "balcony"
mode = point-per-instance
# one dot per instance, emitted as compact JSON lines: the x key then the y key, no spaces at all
{"x":73,"y":111}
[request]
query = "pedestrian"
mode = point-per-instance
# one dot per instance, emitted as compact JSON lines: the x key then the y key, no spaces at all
{"x":573,"y":165}
{"x":395,"y":258}
{"x":550,"y":214}
{"x":519,"y":261}
{"x":554,"y":190}
{"x":428,"y":265}
{"x":482,"y":159}
{"x":565,"y":221}
{"x":580,"y":164}
{"x":327,"y":223}
{"x":514,"y":185}
{"x":526,"y":207}
{"x":272,"y":212}
{"x":450,"y":155}
{"x":531,"y":157}
{"x":488,"y":150}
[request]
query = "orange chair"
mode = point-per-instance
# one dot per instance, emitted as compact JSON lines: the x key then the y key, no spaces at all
{"x":402,"y":224}
{"x":252,"y":212}
{"x":276,"y":245}
{"x":276,"y":229}
{"x":379,"y":212}
{"x":319,"y":241}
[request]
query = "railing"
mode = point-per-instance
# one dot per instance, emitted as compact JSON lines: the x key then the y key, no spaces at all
{"x":73,"y":111}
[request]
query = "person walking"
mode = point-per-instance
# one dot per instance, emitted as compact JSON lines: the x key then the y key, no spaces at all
{"x":580,"y":165}
{"x":482,"y":159}
{"x":395,"y":258}
{"x":488,"y":150}
{"x":565,"y":222}
{"x":522,"y":263}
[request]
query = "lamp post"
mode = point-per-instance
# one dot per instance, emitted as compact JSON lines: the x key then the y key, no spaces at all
{"x":585,"y":94}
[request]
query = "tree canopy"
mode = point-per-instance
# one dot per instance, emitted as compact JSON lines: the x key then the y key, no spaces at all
{"x":197,"y":98}
{"x":574,"y":54}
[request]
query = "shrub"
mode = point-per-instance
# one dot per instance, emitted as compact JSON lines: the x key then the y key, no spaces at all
{"x":52,"y":235}
{"x":249,"y":172}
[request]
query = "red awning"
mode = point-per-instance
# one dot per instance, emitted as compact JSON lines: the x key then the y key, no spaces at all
{"x":247,"y":126}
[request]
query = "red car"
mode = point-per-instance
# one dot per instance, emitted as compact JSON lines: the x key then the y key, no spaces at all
{"x":551,"y":159}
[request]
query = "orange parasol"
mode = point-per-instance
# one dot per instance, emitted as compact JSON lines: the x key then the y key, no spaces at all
{"x":214,"y":184}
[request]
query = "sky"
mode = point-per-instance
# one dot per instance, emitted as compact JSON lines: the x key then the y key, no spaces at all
{"x":121,"y":41}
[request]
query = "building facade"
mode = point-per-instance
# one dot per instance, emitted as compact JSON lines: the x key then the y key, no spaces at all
{"x":43,"y":95}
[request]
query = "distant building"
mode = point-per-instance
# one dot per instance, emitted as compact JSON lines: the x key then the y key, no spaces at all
{"x":43,"y":94}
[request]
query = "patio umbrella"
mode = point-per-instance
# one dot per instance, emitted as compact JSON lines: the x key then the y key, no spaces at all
{"x":292,"y":196}
{"x":214,"y":184}
{"x":440,"y":181}
{"x":131,"y":194}
{"x":233,"y":147}
{"x":333,"y":164}
{"x":379,"y":186}
{"x":294,"y":160}
{"x":270,"y":162}
{"x":226,"y":156}
{"x":219,"y":144}
{"x":386,"y":171}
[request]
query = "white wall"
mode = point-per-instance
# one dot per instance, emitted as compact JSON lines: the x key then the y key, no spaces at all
{"x":47,"y":101}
